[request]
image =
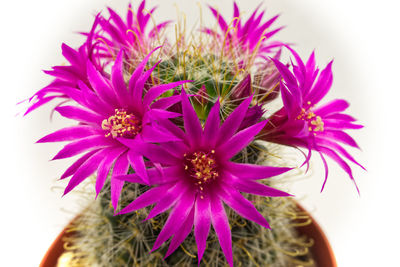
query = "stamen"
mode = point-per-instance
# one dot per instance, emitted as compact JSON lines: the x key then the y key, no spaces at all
{"x":202,"y":168}
{"x":122,"y":124}
{"x":315,"y":123}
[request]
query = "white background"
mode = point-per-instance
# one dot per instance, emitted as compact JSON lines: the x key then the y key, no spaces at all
{"x":361,"y":36}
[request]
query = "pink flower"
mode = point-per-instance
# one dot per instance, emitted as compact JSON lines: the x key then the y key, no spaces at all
{"x":244,"y":37}
{"x":132,"y":34}
{"x":195,"y":176}
{"x":301,"y":123}
{"x":112,"y":116}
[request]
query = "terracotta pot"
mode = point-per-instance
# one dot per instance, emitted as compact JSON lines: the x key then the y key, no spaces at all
{"x":321,"y":250}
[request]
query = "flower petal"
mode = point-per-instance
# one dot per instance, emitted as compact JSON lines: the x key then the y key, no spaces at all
{"x":79,"y":114}
{"x":105,"y":166}
{"x":69,"y":133}
{"x":240,"y":140}
{"x":146,"y":199}
{"x":255,"y":188}
{"x":139,"y":86}
{"x":337,"y":105}
{"x":221,"y":226}
{"x":181,"y":235}
{"x":82,"y":145}
{"x":252,"y":171}
{"x":191,"y":120}
{"x":85,"y":170}
{"x":169,"y":198}
{"x":166,"y":102}
{"x":138,"y":164}
{"x":241,"y":205}
{"x":75,"y":166}
{"x":233,"y":121}
{"x":154,"y":134}
{"x":341,"y":137}
{"x":176,"y":218}
{"x":117,"y":78}
{"x":158,"y":90}
{"x":120,"y":167}
{"x":100,"y":85}
{"x":211,"y":128}
{"x":136,"y":74}
{"x":202,"y":223}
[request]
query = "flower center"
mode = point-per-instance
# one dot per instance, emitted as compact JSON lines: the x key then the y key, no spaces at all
{"x":202,"y":167}
{"x":315,"y":123}
{"x":122,"y":124}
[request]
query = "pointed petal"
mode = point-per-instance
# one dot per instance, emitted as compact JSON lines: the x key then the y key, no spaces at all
{"x":138,"y":164}
{"x":202,"y":223}
{"x":69,"y":133}
{"x":181,"y":235}
{"x":139,"y":85}
{"x":105,"y":167}
{"x":70,"y":54}
{"x":211,"y":128}
{"x":138,"y":71}
{"x":159,"y":114}
{"x":75,"y":166}
{"x":156,"y":176}
{"x":99,"y":84}
{"x":241,"y":205}
{"x":91,"y":101}
{"x":323,"y":85}
{"x":174,"y":129}
{"x":169,"y":198}
{"x":117,"y":78}
{"x":337,"y":105}
{"x":288,"y":77}
{"x":254,"y":172}
{"x":176,"y":218}
{"x":158,"y":90}
{"x":157,"y":135}
{"x":85,"y":170}
{"x":191,"y":120}
{"x":326,"y":170}
{"x":79,"y":114}
{"x":82,"y":145}
{"x":240,"y":140}
{"x":120,"y":167}
{"x":149,"y":197}
{"x":233,"y":121}
{"x":333,"y":155}
{"x":336,"y":147}
{"x":157,"y":154}
{"x":340,"y":116}
{"x":255,"y":188}
{"x":166,"y":102}
{"x":221,"y":225}
{"x":341,"y":137}
{"x":221,"y":21}
{"x":292,"y":102}
{"x":340,"y":125}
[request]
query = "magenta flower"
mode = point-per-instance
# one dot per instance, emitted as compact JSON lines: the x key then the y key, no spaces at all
{"x":67,"y":75}
{"x":110,"y":116}
{"x":132,"y":35}
{"x":195,"y":176}
{"x":300,"y":123}
{"x":242,"y":36}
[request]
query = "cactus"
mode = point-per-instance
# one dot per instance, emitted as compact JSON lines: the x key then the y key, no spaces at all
{"x":98,"y":238}
{"x":195,"y":126}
